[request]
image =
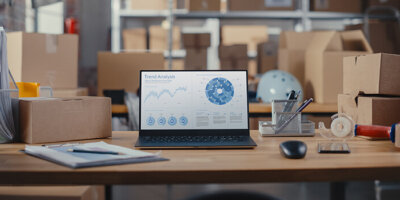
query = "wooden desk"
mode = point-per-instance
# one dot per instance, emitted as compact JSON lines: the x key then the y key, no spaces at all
{"x":260,"y":109}
{"x":369,"y":160}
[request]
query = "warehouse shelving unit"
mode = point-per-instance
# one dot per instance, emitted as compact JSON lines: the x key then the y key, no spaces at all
{"x":301,"y":17}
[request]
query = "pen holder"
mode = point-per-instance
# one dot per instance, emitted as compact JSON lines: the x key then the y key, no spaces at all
{"x":286,"y":121}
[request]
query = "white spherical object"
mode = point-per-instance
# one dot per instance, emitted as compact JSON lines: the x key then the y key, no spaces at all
{"x":277,"y":84}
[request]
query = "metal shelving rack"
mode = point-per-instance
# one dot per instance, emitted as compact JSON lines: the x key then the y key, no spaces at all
{"x":302,"y":17}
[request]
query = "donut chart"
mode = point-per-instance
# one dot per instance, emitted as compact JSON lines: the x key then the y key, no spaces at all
{"x":219,"y":91}
{"x":150,"y":121}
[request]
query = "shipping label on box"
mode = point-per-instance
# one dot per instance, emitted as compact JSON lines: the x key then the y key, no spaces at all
{"x":45,"y":120}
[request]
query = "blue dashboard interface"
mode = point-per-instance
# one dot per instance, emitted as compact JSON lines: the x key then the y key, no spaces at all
{"x":173,"y":100}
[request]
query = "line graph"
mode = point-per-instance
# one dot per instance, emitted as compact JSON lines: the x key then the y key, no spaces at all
{"x":162,"y":92}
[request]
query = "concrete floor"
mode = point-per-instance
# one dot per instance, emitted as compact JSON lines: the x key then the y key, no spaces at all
{"x":284,"y":191}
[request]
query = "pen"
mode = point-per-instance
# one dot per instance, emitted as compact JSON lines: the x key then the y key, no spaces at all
{"x":92,"y":151}
{"x":301,"y":108}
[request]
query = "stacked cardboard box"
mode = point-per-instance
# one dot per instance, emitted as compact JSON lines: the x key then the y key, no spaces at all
{"x":370,"y":86}
{"x":353,"y":6}
{"x":196,"y":45}
{"x":252,"y":5}
{"x":203,"y":5}
{"x":324,"y":62}
{"x":393,"y":3}
{"x":64,"y":119}
{"x":154,"y":4}
{"x":50,"y":60}
{"x":250,"y":35}
{"x":233,"y":57}
{"x":267,"y":56}
{"x":117,"y":71}
{"x":291,"y":53}
{"x":134,"y":38}
{"x":158,"y":37}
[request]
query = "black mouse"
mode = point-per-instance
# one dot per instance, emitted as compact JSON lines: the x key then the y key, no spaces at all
{"x":293,"y":149}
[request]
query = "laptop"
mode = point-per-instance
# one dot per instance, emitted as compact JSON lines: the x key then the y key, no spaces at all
{"x":200,"y":109}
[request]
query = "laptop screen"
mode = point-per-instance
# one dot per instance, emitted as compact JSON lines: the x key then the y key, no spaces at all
{"x":192,"y":100}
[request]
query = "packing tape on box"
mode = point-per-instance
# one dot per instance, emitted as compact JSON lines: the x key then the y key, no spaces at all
{"x":51,"y":43}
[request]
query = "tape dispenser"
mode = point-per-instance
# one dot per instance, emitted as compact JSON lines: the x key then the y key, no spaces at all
{"x":341,"y":129}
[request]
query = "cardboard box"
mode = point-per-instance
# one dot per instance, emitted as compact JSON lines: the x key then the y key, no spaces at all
{"x":149,"y":4}
{"x":352,"y":6}
{"x":177,"y":64}
{"x":291,"y":53}
{"x":64,"y":119}
{"x":52,"y":192}
{"x":196,"y":59}
{"x":233,"y":51}
{"x":267,"y":56}
{"x":203,"y":5}
{"x":196,"y":40}
{"x":252,"y":5}
{"x":134,"y":38}
{"x":250,"y":35}
{"x":51,"y":60}
{"x":118,"y":71}
{"x":393,"y":3}
{"x":372,"y":74}
{"x":370,"y":110}
{"x":159,"y":37}
{"x":384,"y":36}
{"x":234,"y":64}
{"x":324,"y":62}
{"x":70,"y":92}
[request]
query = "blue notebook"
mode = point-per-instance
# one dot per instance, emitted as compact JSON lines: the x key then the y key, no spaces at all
{"x":64,"y":155}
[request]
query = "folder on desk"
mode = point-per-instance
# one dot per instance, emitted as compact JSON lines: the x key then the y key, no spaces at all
{"x":62,"y":155}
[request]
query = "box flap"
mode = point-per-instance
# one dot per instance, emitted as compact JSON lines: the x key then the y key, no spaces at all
{"x":324,"y":40}
{"x":355,"y":41}
{"x":295,"y":40}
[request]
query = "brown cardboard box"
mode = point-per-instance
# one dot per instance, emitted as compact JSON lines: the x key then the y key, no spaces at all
{"x":250,"y":35}
{"x":291,"y":53}
{"x":324,"y":62}
{"x":230,"y":51}
{"x":234,"y":64}
{"x":159,"y":37}
{"x":71,"y":92}
{"x":352,"y":6}
{"x":372,"y":74}
{"x":149,"y":4}
{"x":196,"y":40}
{"x":393,"y":3}
{"x":134,"y":38}
{"x":267,"y":56}
{"x":52,"y":192}
{"x":203,"y":5}
{"x":64,"y":119}
{"x":348,"y":104}
{"x":51,"y":60}
{"x":240,"y":5}
{"x":233,"y":57}
{"x":370,"y":110}
{"x":384,"y":36}
{"x":196,"y":59}
{"x":252,"y":67}
{"x":121,"y":70}
{"x":177,"y":64}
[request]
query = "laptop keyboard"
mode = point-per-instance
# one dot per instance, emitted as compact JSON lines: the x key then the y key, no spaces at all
{"x":193,"y":139}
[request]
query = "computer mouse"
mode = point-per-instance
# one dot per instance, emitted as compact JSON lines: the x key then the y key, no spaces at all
{"x":293,"y":149}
